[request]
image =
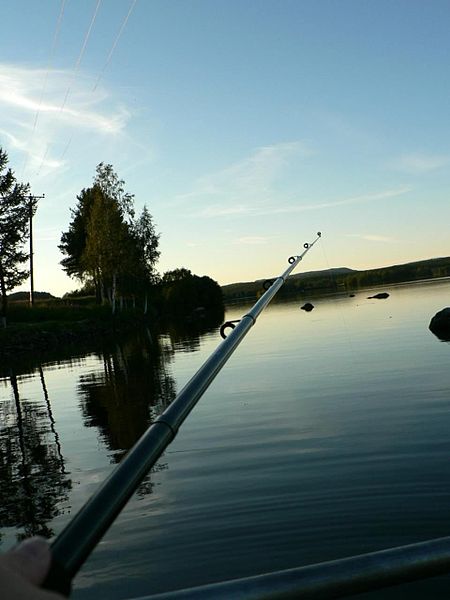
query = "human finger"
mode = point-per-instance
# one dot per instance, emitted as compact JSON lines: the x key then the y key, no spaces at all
{"x":31,"y":559}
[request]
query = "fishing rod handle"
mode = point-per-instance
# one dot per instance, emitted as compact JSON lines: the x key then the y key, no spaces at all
{"x":58,"y":579}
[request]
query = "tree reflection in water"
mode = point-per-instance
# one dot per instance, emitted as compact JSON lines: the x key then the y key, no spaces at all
{"x":135,"y":386}
{"x":123,"y":398}
{"x":33,"y":482}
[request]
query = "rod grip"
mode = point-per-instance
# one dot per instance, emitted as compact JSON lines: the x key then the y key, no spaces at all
{"x":58,"y":579}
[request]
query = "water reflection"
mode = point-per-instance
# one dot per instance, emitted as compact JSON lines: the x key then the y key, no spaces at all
{"x":34,"y":482}
{"x":127,"y":384}
{"x":52,"y":420}
{"x":183,"y":335}
{"x":123,"y":397}
{"x":326,"y":437}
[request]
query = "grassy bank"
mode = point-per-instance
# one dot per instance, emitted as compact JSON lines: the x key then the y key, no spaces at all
{"x":48,"y":325}
{"x":56,"y":325}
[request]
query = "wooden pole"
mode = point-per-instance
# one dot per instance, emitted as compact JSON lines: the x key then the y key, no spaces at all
{"x":32,"y":203}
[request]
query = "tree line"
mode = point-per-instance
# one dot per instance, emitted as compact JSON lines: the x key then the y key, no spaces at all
{"x":107,"y":248}
{"x":338,"y":280}
{"x":415,"y":271}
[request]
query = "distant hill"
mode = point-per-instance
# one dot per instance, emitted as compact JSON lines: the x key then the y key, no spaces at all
{"x":20,"y":296}
{"x":343,"y":278}
{"x":250,"y":289}
{"x":333,"y":272}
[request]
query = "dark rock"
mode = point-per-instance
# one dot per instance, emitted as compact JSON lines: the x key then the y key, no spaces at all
{"x":308,"y":307}
{"x":379,"y":296}
{"x":351,"y":295}
{"x":440,"y":324}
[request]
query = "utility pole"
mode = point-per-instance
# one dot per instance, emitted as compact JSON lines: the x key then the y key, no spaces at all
{"x":31,"y":206}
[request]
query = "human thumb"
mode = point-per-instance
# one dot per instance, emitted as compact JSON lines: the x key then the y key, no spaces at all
{"x":31,"y":559}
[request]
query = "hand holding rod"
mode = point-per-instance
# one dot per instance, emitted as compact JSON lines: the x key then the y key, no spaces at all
{"x":76,"y":541}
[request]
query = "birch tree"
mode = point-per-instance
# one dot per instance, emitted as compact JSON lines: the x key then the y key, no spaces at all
{"x":113,"y":187}
{"x":106,"y":244}
{"x":109,"y":245}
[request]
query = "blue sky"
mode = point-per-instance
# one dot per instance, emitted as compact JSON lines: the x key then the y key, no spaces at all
{"x":245,"y":126}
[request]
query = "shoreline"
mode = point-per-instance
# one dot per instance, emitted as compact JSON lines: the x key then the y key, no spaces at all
{"x":59,"y":339}
{"x":23,"y":339}
{"x":341,"y":291}
{"x":18,"y":340}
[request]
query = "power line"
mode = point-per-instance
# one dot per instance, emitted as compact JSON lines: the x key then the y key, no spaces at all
{"x":80,"y":56}
{"x":74,"y":72}
{"x":47,"y":147}
{"x":78,"y":62}
{"x":105,"y":66}
{"x":44,"y":85}
{"x":113,"y":47}
{"x":52,"y":52}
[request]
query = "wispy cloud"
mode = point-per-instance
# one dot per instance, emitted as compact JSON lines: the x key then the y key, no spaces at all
{"x":302,"y":206}
{"x":62,"y":111}
{"x":417,"y":164}
{"x":249,"y":187}
{"x":217,"y":210}
{"x":360,"y":199}
{"x":253,"y":240}
{"x":245,"y":185}
{"x":370,"y":237}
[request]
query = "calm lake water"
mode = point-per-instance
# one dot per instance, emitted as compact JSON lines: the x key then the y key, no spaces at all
{"x":327,"y":434}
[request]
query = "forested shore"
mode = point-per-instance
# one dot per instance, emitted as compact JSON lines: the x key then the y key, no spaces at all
{"x":343,"y":279}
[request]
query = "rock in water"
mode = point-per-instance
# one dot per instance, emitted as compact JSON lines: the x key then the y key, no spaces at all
{"x":308,"y":307}
{"x":379,"y":296}
{"x":440,"y":324}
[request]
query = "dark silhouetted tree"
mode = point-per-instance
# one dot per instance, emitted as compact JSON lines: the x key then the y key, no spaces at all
{"x":73,"y":241}
{"x":184,"y":292}
{"x":15,"y":210}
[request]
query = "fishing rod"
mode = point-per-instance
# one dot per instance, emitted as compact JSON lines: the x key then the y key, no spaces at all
{"x":76,"y":541}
